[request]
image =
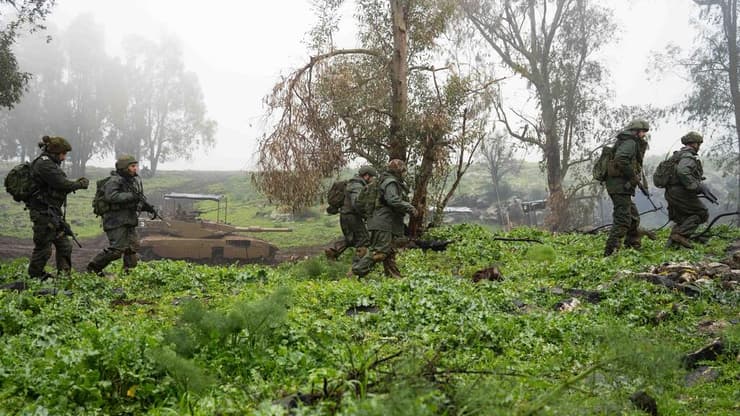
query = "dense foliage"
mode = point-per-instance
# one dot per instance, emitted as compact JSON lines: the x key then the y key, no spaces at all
{"x":177,"y":338}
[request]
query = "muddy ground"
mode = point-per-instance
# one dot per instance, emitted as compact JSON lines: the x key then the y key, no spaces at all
{"x":11,"y":248}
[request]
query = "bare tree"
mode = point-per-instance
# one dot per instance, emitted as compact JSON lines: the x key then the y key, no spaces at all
{"x":550,"y":44}
{"x":498,"y":153}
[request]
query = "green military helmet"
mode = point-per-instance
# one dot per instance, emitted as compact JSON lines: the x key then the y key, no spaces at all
{"x":367,"y":170}
{"x":125,"y":161}
{"x":692,"y":137}
{"x":638,"y":124}
{"x":55,"y":144}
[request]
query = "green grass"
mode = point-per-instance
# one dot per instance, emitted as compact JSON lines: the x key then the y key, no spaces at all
{"x":192,"y":339}
{"x":246,"y":208}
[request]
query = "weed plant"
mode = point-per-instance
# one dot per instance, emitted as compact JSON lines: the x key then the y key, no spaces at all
{"x":177,"y":338}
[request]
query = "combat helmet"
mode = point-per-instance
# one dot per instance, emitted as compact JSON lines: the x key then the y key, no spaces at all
{"x":638,"y":124}
{"x":55,"y":144}
{"x":692,"y":137}
{"x":367,"y":170}
{"x":125,"y":161}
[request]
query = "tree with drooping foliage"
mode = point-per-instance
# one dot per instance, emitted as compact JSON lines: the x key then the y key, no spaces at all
{"x":386,"y":99}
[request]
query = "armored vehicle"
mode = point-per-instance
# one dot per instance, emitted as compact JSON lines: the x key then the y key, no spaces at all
{"x":183,"y":235}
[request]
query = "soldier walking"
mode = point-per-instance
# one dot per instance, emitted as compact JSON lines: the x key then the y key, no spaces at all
{"x":123,"y":193}
{"x":386,"y":223}
{"x":352,"y":224}
{"x":624,"y":175}
{"x":45,"y":207}
{"x":682,"y":193}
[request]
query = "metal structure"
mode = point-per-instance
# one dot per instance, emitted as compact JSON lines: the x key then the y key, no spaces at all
{"x":184,"y":236}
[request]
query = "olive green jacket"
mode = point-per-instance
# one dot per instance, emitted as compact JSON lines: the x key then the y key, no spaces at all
{"x":689,"y":170}
{"x":124,"y":202}
{"x":625,"y":170}
{"x":393,"y":207}
{"x":53,"y":185}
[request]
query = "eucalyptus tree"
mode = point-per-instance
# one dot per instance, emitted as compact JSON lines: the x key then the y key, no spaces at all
{"x":714,"y":73}
{"x":16,"y":16}
{"x":388,"y":98}
{"x":33,"y":116}
{"x":551,"y":45}
{"x":165,"y":113}
{"x":87,"y":84}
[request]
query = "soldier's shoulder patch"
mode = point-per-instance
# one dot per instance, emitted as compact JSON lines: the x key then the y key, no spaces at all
{"x":44,"y":157}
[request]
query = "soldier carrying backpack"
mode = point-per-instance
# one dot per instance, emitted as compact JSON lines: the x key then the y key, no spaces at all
{"x":623,"y":176}
{"x":44,"y":200}
{"x":351,"y":219}
{"x":386,"y":225}
{"x":119,"y":199}
{"x":682,"y":191}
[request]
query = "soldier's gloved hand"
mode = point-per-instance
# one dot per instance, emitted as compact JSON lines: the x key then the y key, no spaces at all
{"x":83,"y":183}
{"x":414,"y":212}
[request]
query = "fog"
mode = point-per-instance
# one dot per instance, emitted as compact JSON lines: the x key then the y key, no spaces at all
{"x":238,"y":50}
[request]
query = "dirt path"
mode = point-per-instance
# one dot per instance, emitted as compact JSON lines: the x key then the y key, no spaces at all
{"x":11,"y":248}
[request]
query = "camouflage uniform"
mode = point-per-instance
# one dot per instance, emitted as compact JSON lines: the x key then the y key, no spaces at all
{"x":352,"y":224}
{"x":121,"y":191}
{"x":624,"y":174}
{"x":45,"y":208}
{"x":684,"y":207}
{"x":386,"y":226}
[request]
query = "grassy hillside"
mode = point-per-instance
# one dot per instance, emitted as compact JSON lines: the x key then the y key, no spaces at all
{"x":177,"y":338}
{"x":246,"y":207}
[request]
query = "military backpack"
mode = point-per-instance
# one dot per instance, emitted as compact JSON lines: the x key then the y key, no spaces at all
{"x":666,"y":171}
{"x":368,"y":200}
{"x":335,"y":197}
{"x":600,"y":170}
{"x":19,"y":183}
{"x":99,"y":205}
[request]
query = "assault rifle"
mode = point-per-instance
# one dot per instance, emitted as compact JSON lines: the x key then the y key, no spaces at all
{"x":643,"y":188}
{"x":60,"y":222}
{"x":68,"y":231}
{"x":145,"y":205}
{"x":707,"y":193}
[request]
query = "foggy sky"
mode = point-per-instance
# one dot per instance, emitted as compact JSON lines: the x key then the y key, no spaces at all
{"x":239,"y":50}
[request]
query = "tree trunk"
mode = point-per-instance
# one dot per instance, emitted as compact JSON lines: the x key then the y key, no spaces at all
{"x":423,"y":177}
{"x":399,"y":81}
{"x":557,"y":203}
{"x":729,"y":12}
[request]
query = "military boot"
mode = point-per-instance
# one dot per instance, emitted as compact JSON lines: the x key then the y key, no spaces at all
{"x":91,"y":268}
{"x":609,"y":250}
{"x":681,"y":240}
{"x":331,"y":254}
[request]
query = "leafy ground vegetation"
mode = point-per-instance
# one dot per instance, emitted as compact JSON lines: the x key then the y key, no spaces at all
{"x":177,"y":338}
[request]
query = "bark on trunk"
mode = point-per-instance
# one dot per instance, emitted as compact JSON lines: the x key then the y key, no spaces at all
{"x":399,"y":82}
{"x":729,"y":12}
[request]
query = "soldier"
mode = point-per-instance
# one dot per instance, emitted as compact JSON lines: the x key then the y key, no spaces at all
{"x":45,"y":207}
{"x":684,"y":207}
{"x":386,"y":223}
{"x":624,"y":175}
{"x":351,"y":222}
{"x":123,"y":192}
